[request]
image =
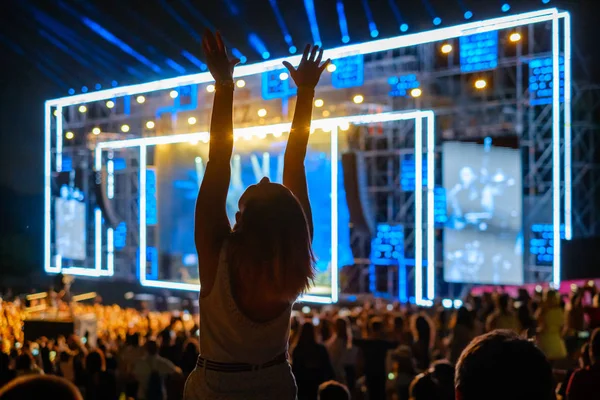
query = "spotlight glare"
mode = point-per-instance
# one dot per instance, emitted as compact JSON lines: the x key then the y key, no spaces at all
{"x":331,"y":67}
{"x":326,"y":113}
{"x":150,"y":124}
{"x":283,"y":76}
{"x":69,"y":135}
{"x":344,"y":126}
{"x":359,"y":98}
{"x":262,"y":112}
{"x":437,"y":21}
{"x":345,"y":39}
{"x":82,"y":108}
{"x":96,"y":131}
{"x":514,"y":37}
{"x":403,"y":27}
{"x":210,"y":88}
{"x":505,"y":7}
{"x":174,"y":94}
{"x":416,"y":92}
{"x":125,"y":128}
{"x":480,"y":84}
{"x":468,"y":15}
{"x":240,"y":83}
{"x":446,"y":48}
{"x":374,"y":33}
{"x":110,"y":104}
{"x":192,"y":120}
{"x":293,"y":49}
{"x":55,"y":113}
{"x":265,"y":55}
{"x":140,"y":99}
{"x":319,"y":103}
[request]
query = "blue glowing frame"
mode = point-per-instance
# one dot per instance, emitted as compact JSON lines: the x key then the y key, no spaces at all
{"x":441,"y":34}
{"x":328,"y":125}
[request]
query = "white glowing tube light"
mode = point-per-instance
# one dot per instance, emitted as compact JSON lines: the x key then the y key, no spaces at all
{"x":47,"y":193}
{"x":110,"y":251}
{"x":567,"y":106}
{"x":419,"y":210}
{"x":556,"y":152}
{"x":98,"y":239}
{"x":436,"y":35}
{"x":430,"y":207}
{"x":334,"y":214}
{"x":59,"y":138}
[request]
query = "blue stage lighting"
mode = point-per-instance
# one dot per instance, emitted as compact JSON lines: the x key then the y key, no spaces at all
{"x":265,"y":55}
{"x":345,"y":39}
{"x":437,"y":21}
{"x":309,"y":5}
{"x":545,"y":1}
{"x":468,"y":15}
{"x":258,"y":45}
{"x":403,"y":27}
{"x":342,"y":21}
{"x":293,"y":49}
{"x":374,"y":33}
{"x":71,"y":91}
{"x":98,"y":86}
{"x":505,"y":7}
{"x":84,"y":89}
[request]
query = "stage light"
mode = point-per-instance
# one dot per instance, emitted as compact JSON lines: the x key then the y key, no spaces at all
{"x":319,"y":103}
{"x":192,"y":120}
{"x":331,"y":67}
{"x":437,"y":21}
{"x":98,"y":86}
{"x":514,"y":37}
{"x":545,"y":1}
{"x":82,"y":108}
{"x":293,"y":49}
{"x":140,"y":99}
{"x":403,"y":27}
{"x":110,"y":104}
{"x":283,"y":76}
{"x":447,"y":48}
{"x":69,"y":135}
{"x":374,"y":33}
{"x":125,"y":128}
{"x":240,"y":83}
{"x":114,"y":83}
{"x":55,"y":113}
{"x":150,"y":124}
{"x":174,"y":94}
{"x":344,"y":126}
{"x":96,"y":131}
{"x":265,"y":55}
{"x":358,"y":99}
{"x":305,"y":309}
{"x":277,"y":133}
{"x":345,"y":39}
{"x":71,"y":91}
{"x":262,"y":112}
{"x":505,"y":7}
{"x":210,"y":88}
{"x":84,"y":89}
{"x":480,"y":84}
{"x":416,"y":92}
{"x":468,"y":15}
{"x":326,"y":113}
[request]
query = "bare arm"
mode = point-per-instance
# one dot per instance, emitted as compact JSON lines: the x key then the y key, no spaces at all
{"x":306,"y":77}
{"x":211,"y":222}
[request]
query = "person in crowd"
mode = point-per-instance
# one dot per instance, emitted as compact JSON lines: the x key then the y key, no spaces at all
{"x":424,"y":334}
{"x":150,"y":373}
{"x":462,"y":333}
{"x":100,"y":384}
{"x":342,"y":353}
{"x":585,"y":382}
{"x":374,"y":351}
{"x":25,"y":365}
{"x":310,"y":363}
{"x":550,"y":320}
{"x":6,"y":373}
{"x":40,"y":387}
{"x":526,"y":320}
{"x":191,"y":351}
{"x":501,"y":365}
{"x":503,"y":317}
{"x":251,"y":275}
{"x":332,"y":390}
{"x":127,"y":359}
{"x":403,"y":370}
{"x":583,"y":361}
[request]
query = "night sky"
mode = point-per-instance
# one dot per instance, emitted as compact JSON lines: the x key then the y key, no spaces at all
{"x":46,"y":49}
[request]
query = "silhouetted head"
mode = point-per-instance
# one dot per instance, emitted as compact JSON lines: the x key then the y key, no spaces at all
{"x":595,"y":347}
{"x":95,"y":362}
{"x":272,"y":238}
{"x":307,"y":335}
{"x":40,"y":387}
{"x":333,"y":390}
{"x":151,"y":347}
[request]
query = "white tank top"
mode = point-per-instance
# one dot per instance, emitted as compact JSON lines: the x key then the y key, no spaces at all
{"x":228,"y":336}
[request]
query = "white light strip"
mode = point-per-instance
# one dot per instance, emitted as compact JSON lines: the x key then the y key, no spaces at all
{"x":192,"y":287}
{"x":59,"y":138}
{"x":110,"y":251}
{"x":58,"y":262}
{"x":567,"y":144}
{"x":430,"y":207}
{"x":334,"y":215}
{"x":419,"y":210}
{"x":47,"y":193}
{"x":441,"y":34}
{"x":110,"y":179}
{"x":556,"y":152}
{"x":98,"y":239}
{"x":82,"y":271}
{"x":142,"y":216}
{"x":307,"y":298}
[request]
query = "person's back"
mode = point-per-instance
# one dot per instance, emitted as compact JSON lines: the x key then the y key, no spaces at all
{"x":40,"y":387}
{"x":150,"y":372}
{"x":503,"y":317}
{"x":310,"y":363}
{"x":500,"y":365}
{"x":585,"y":382}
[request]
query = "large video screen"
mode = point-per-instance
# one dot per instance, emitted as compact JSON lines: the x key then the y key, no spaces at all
{"x":70,"y":216}
{"x":179,"y":170}
{"x":483,"y":240}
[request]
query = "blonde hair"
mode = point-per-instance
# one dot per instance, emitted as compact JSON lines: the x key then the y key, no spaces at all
{"x":272,"y":241}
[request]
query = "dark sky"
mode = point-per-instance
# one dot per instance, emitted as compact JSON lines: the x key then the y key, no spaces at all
{"x":146,"y":26}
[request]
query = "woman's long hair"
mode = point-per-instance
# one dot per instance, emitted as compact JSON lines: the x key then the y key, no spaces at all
{"x":307,"y":336}
{"x":343,"y":331}
{"x":273,"y":241}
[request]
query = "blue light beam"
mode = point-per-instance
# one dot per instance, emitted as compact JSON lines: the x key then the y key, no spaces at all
{"x":396,"y":11}
{"x":258,"y":45}
{"x":343,"y":22}
{"x":309,"y":5}
{"x":282,"y":25}
{"x":372,"y":26}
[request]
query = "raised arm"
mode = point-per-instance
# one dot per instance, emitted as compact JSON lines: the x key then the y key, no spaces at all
{"x":211,"y":222}
{"x":306,"y":77}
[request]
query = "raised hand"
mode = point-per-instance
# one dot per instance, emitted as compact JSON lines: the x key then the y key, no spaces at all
{"x":309,"y":70}
{"x":219,"y":64}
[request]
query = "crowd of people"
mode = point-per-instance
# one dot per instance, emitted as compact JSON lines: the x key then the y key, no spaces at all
{"x":377,"y":350}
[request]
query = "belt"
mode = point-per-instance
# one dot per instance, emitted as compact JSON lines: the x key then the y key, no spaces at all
{"x":239,"y":367}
